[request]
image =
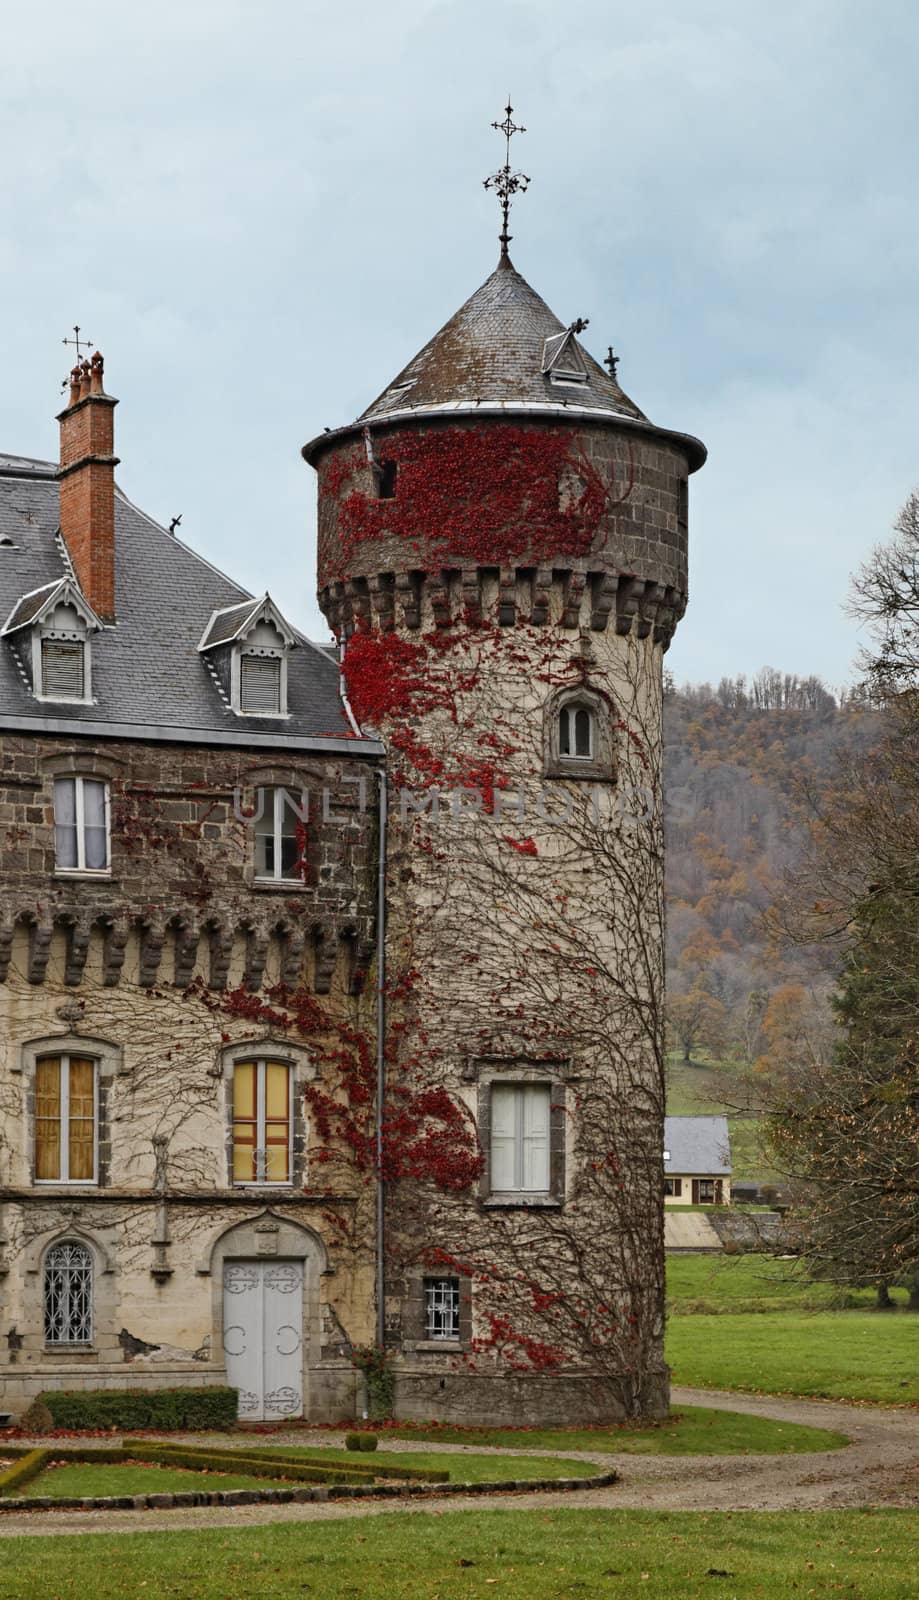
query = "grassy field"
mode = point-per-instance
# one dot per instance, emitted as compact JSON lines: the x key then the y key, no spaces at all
{"x":694,"y":1430}
{"x":516,"y":1555}
{"x":841,"y":1355}
{"x":721,"y":1283}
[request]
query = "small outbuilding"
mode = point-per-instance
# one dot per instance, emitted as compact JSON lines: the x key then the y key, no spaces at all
{"x":697,"y":1161}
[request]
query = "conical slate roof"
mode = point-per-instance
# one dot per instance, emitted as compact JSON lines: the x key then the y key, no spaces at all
{"x":503,"y":347}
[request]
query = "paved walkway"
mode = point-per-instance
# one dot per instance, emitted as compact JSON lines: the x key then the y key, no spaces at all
{"x":879,"y":1468}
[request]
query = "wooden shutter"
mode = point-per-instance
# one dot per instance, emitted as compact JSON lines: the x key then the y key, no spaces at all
{"x":245,"y":1120}
{"x":48,"y":1118}
{"x":82,"y":1132}
{"x":62,"y":669}
{"x":277,"y":1122}
{"x":503,"y":1136}
{"x":259,"y":685}
{"x":695,"y":1191}
{"x":535,"y":1136}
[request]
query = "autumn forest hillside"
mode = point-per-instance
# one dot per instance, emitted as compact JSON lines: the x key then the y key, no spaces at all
{"x":748,"y":765}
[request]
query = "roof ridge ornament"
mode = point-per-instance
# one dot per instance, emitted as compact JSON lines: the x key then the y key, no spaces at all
{"x":507,"y":183}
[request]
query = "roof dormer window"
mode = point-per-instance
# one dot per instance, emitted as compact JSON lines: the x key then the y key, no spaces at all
{"x":63,"y":669}
{"x":246,"y":647}
{"x":59,"y":624}
{"x":260,"y":684}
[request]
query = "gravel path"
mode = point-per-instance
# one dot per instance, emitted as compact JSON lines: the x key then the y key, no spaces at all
{"x":879,"y":1468}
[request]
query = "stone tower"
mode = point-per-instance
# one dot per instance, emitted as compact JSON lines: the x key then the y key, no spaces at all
{"x":503,"y":547}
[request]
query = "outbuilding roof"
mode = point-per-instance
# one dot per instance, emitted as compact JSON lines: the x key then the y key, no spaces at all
{"x":697,"y":1147}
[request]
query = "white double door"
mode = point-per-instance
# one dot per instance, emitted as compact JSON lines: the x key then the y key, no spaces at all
{"x":263,"y":1337}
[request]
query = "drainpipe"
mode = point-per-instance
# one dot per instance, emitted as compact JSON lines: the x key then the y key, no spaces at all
{"x":381,"y":1058}
{"x":380,"y":1267}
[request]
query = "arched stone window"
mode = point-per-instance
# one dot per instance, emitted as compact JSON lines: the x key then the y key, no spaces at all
{"x":68,"y":1294}
{"x":578,"y":735}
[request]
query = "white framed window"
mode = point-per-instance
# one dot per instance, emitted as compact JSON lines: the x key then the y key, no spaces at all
{"x":576,"y":732}
{"x":64,"y":664}
{"x":261,"y":685}
{"x":441,"y":1308}
{"x":81,"y":825}
{"x":66,"y":1119}
{"x":262,"y":1122}
{"x":277,"y":839}
{"x":520,"y":1144}
{"x":68,"y":1294}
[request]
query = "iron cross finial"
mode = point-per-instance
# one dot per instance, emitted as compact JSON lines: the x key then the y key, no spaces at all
{"x":611,"y":360}
{"x":507,"y":183}
{"x":81,"y":344}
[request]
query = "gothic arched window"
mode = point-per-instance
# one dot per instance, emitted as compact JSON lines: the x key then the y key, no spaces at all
{"x":578,"y":737}
{"x":68,"y":1294}
{"x":576,"y":732}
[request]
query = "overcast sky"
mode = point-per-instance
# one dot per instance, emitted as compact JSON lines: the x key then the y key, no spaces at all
{"x":259,"y":212}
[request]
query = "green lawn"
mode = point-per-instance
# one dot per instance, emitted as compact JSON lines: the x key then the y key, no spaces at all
{"x":694,"y":1430}
{"x":132,"y":1477}
{"x":844,"y":1355}
{"x":464,"y":1468}
{"x":717,"y":1283}
{"x":516,"y":1555}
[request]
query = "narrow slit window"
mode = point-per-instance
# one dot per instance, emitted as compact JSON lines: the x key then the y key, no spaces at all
{"x":261,"y":1122}
{"x":386,"y":481}
{"x":65,"y":1120}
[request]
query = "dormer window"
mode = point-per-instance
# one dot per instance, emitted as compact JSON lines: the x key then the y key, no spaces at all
{"x":59,"y":624}
{"x":246,"y":648}
{"x":260,"y":685}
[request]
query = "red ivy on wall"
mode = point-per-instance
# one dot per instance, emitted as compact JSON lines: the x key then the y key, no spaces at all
{"x":484,"y":496}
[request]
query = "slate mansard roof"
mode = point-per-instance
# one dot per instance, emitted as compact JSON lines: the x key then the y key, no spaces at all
{"x":148,"y":677}
{"x":505,"y":351}
{"x":697,"y":1146}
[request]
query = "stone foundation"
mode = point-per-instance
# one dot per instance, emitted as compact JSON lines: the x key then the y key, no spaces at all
{"x":512,"y":1401}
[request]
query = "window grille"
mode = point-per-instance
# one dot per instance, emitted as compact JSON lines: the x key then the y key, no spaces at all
{"x":65,"y":1120}
{"x":81,"y":825}
{"x":62,"y":669}
{"x":261,"y":1122}
{"x":441,"y":1308}
{"x":68,"y":1295}
{"x":520,"y":1137}
{"x":276,"y":848}
{"x":575,"y":732}
{"x":260,"y":685}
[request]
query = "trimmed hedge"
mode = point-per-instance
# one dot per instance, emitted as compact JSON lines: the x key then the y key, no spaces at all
{"x":23,"y":1471}
{"x":251,"y":1466}
{"x":356,"y":1471}
{"x":135,"y":1409}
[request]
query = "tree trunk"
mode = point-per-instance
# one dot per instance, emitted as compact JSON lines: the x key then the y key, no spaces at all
{"x":912,"y":1303}
{"x":884,"y":1301}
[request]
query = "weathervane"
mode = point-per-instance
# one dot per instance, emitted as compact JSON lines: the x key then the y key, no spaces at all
{"x":77,"y":341}
{"x":80,"y":345}
{"x":506,"y":183}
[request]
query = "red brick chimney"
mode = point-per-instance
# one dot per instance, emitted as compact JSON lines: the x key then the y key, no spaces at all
{"x":87,"y":475}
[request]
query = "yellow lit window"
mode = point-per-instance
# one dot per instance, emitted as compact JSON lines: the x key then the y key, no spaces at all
{"x":261,"y":1122}
{"x":65,"y":1120}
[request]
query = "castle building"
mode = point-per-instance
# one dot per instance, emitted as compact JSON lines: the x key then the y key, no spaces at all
{"x":245,"y":892}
